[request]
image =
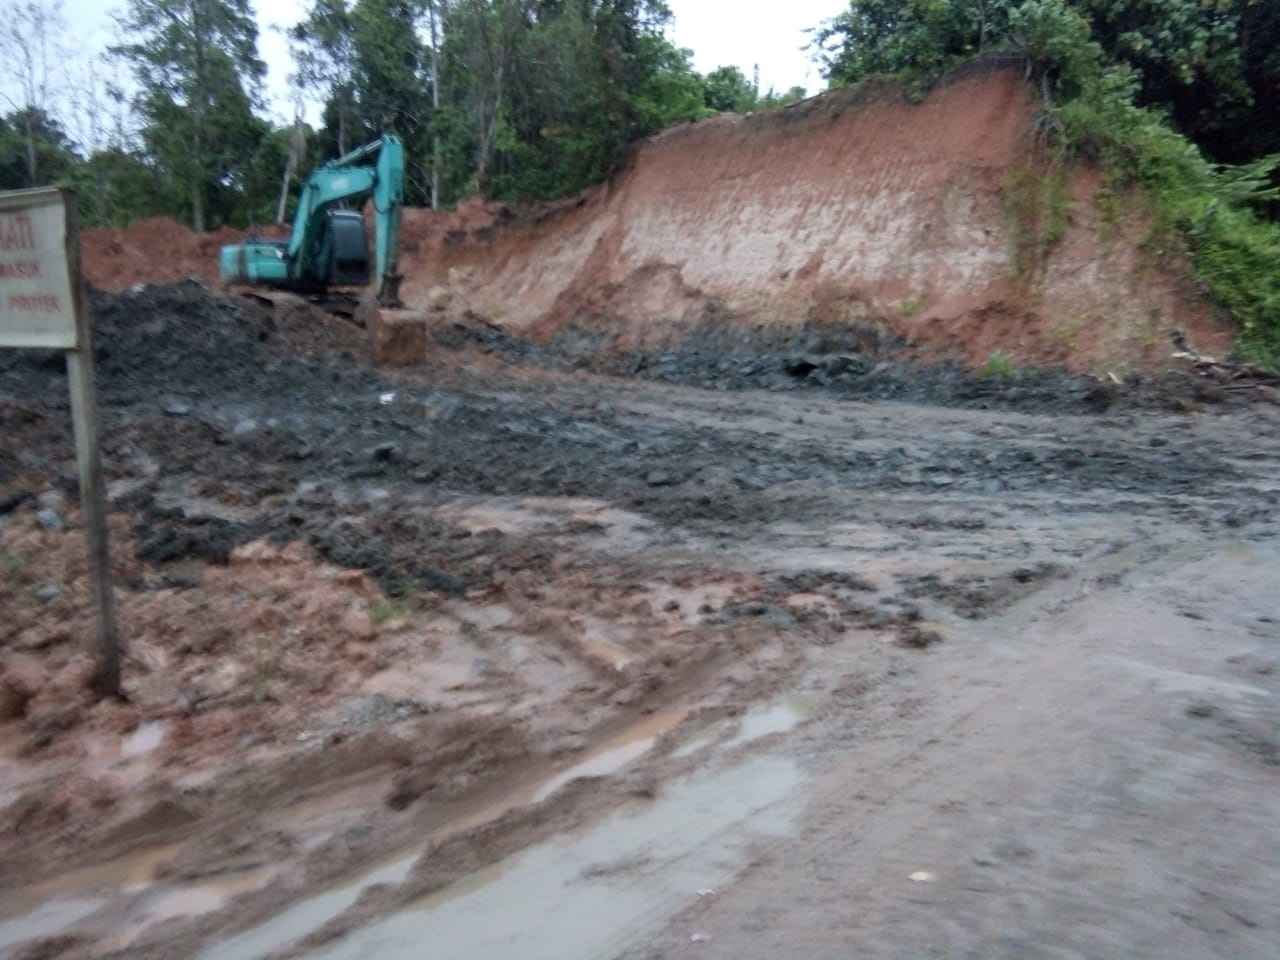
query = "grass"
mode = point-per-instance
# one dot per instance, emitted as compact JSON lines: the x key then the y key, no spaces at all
{"x":1037,"y":204}
{"x":908,"y":307}
{"x":999,"y":366}
{"x":386,"y":608}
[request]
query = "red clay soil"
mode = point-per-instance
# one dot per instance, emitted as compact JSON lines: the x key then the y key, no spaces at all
{"x":856,"y":209}
{"x":157,"y":250}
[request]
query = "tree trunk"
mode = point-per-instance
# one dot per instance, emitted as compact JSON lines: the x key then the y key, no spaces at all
{"x":435,"y":103}
{"x":31,"y":149}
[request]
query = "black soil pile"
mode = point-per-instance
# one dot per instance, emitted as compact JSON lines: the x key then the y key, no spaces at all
{"x":223,"y":424}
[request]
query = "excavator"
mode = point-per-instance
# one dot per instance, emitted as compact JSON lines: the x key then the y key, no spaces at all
{"x":328,"y":246}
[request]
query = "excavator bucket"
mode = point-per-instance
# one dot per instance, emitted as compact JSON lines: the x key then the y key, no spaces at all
{"x":398,"y":336}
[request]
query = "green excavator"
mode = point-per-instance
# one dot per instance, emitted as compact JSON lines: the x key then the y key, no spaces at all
{"x":328,"y":246}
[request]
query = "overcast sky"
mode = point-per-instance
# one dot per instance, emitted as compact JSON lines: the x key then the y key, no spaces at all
{"x":741,"y":33}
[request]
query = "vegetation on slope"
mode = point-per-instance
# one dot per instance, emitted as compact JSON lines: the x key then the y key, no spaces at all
{"x":1148,"y":90}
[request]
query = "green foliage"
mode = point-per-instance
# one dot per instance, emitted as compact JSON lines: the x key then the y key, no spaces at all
{"x":191,"y":60}
{"x":1214,"y":65}
{"x":1100,"y":66}
{"x":31,"y":137}
{"x":772,"y":100}
{"x":1214,"y":210}
{"x":385,"y":609}
{"x":907,"y":37}
{"x":727,"y":90}
{"x":324,"y":53}
{"x":540,"y":99}
{"x":999,"y":366}
{"x":1056,"y":41}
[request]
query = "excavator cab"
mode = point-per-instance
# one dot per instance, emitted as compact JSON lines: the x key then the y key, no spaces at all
{"x":348,"y":253}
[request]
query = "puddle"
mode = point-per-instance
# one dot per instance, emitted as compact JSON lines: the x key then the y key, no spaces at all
{"x":755,"y":724}
{"x":308,"y":915}
{"x":50,"y":918}
{"x":615,"y":753}
{"x":56,"y":904}
{"x":305,"y":916}
{"x":187,"y":901}
{"x":752,"y":725}
{"x":629,"y":871}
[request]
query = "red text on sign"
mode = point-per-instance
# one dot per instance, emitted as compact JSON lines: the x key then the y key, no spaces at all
{"x":34,"y":303}
{"x":16,"y":233}
{"x":21,"y":270}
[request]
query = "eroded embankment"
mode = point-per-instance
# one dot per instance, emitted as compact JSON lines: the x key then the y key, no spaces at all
{"x":936,"y":223}
{"x":864,"y":217}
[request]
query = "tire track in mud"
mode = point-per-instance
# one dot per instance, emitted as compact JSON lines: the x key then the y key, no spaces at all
{"x":1054,"y":805}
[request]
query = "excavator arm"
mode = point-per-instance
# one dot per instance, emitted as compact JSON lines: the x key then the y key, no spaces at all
{"x":346,"y":179}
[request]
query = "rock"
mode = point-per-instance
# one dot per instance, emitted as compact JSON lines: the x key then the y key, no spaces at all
{"x":50,"y":519}
{"x":385,"y":453}
{"x":658,"y":478}
{"x":246,"y":425}
{"x":20,"y":681}
{"x":439,"y":299}
{"x":48,"y":593}
{"x":51,"y":500}
{"x":176,"y":409}
{"x":358,"y":625}
{"x":845,"y":364}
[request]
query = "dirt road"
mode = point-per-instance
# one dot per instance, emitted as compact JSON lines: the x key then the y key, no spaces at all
{"x":524,"y":662}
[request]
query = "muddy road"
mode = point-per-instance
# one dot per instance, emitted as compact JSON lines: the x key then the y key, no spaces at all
{"x":517,"y":659}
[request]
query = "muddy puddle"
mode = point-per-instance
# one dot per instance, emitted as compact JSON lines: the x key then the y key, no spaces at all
{"x":755,"y":724}
{"x":610,"y":756}
{"x":612,"y":880}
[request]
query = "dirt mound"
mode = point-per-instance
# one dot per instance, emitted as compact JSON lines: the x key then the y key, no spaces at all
{"x":158,"y":250}
{"x":933,"y":223}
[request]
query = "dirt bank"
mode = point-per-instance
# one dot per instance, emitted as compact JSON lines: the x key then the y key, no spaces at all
{"x":861,"y":213}
{"x":880,"y":226}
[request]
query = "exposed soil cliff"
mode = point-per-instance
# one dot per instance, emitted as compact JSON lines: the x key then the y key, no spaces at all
{"x":936,"y":224}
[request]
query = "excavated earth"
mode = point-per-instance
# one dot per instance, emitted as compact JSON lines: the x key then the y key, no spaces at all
{"x":633,"y":635}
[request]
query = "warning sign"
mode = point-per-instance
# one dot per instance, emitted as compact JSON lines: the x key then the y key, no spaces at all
{"x":37,"y":308}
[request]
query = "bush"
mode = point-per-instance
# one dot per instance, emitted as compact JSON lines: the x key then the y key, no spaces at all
{"x":1235,"y":252}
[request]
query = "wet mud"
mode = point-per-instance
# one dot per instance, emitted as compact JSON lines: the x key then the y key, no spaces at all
{"x":510,"y":619}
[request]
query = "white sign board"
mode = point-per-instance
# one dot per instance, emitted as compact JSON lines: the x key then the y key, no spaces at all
{"x":37,"y":308}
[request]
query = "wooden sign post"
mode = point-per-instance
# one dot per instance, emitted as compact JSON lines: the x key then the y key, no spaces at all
{"x":42,"y":305}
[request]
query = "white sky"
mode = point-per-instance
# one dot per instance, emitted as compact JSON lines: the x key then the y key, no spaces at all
{"x":741,"y":33}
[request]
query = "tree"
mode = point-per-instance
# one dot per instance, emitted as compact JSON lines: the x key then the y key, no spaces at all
{"x":191,"y":60}
{"x":913,"y":36}
{"x":32,"y":140}
{"x":324,"y":50}
{"x":1214,"y":65}
{"x":33,"y":52}
{"x":729,"y":91}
